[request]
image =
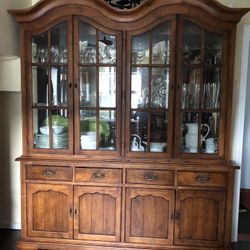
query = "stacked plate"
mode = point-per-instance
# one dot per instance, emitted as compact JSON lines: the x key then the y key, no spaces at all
{"x":60,"y":141}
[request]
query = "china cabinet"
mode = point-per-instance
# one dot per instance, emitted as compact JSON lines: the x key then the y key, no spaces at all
{"x":126,"y":124}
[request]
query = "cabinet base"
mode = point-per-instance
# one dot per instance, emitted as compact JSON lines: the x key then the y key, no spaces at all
{"x":24,"y":245}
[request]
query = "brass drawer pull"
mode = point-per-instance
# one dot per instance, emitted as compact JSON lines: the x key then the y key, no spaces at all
{"x":98,"y":175}
{"x":150,"y":176}
{"x":48,"y":172}
{"x":202,"y":178}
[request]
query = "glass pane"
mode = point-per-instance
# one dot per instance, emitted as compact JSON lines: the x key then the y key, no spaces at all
{"x":191,"y":88}
{"x":87,"y":44}
{"x":59,"y":89}
{"x":139,"y":131}
{"x":40,"y":48}
{"x":189,"y":132}
{"x":40,"y":85}
{"x":160,"y":88}
{"x":107,"y":130}
{"x":107,"y":48}
{"x":213,"y":48}
{"x":211,"y":97}
{"x":139,"y":87}
{"x":60,"y":125}
{"x":210,"y":132}
{"x":158,"y":134}
{"x":88,"y":87}
{"x":88,"y":129}
{"x":59,"y":52}
{"x":107,"y":87}
{"x":140,"y":49}
{"x":192,"y":43}
{"x":161,"y":44}
{"x":41,"y":128}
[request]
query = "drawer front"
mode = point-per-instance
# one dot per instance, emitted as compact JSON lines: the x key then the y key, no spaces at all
{"x":152,"y":177}
{"x":49,"y":173}
{"x":202,"y":179}
{"x":98,"y":175}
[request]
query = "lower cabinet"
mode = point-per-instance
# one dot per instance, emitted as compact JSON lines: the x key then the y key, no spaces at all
{"x":177,"y":216}
{"x":50,"y":211}
{"x":97,"y":213}
{"x":200,"y":218}
{"x":149,"y":216}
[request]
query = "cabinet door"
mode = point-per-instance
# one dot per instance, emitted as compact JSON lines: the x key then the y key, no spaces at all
{"x":149,"y":216}
{"x":200,"y":218}
{"x":98,"y":213}
{"x":50,"y":89}
{"x":50,"y":210}
{"x":202,"y":63}
{"x":97,"y":92}
{"x":150,"y":92}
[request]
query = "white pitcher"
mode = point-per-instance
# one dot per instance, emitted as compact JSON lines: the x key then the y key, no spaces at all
{"x":191,"y":138}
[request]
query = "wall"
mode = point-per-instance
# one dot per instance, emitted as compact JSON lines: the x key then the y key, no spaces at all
{"x":10,"y":125}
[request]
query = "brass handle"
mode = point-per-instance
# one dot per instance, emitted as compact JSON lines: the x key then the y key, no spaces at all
{"x":98,"y":175}
{"x":150,"y":176}
{"x":48,"y":172}
{"x":202,"y":178}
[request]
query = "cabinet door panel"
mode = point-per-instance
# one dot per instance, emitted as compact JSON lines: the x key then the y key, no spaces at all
{"x":149,"y":216}
{"x":99,"y":211}
{"x":200,"y":220}
{"x":49,"y":211}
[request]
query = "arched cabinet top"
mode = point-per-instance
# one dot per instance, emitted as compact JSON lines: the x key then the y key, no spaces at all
{"x":101,"y":8}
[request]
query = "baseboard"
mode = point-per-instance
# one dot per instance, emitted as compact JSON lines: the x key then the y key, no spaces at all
{"x":245,"y":198}
{"x":10,"y":226}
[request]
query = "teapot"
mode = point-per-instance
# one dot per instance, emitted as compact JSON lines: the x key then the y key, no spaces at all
{"x":136,"y":143}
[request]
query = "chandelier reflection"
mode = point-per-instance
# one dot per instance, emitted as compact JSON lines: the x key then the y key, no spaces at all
{"x":124,"y":4}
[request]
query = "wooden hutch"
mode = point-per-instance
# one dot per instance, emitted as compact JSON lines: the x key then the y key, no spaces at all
{"x":126,"y":125}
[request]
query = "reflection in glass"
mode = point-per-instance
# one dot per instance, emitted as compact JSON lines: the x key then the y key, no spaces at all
{"x":211,"y":96}
{"x":107,"y":87}
{"x":87,"y":44}
{"x":139,"y":87}
{"x":60,"y":124}
{"x":160,"y":88}
{"x":140,"y":49}
{"x":139,"y":130}
{"x":59,"y":89}
{"x":88,"y":87}
{"x":192,"y":43}
{"x":107,"y":130}
{"x":209,"y":143}
{"x":88,"y":127}
{"x":213,"y":48}
{"x":40,"y":85}
{"x":191,"y":88}
{"x":161,"y":44}
{"x":107,"y":48}
{"x":59,"y":52}
{"x":40,"y":48}
{"x":158,"y":132}
{"x":43,"y":126}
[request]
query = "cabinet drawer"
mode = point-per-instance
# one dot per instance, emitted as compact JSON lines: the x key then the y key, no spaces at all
{"x":202,"y":179}
{"x":98,"y":175}
{"x":153,"y":177}
{"x":49,"y":173}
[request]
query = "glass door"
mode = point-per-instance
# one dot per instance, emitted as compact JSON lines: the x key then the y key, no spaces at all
{"x":97,"y":91}
{"x":50,"y":93}
{"x":200,"y":102}
{"x":150,"y":99}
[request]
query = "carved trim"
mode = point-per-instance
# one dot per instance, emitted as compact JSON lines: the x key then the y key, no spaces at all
{"x":212,"y":7}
